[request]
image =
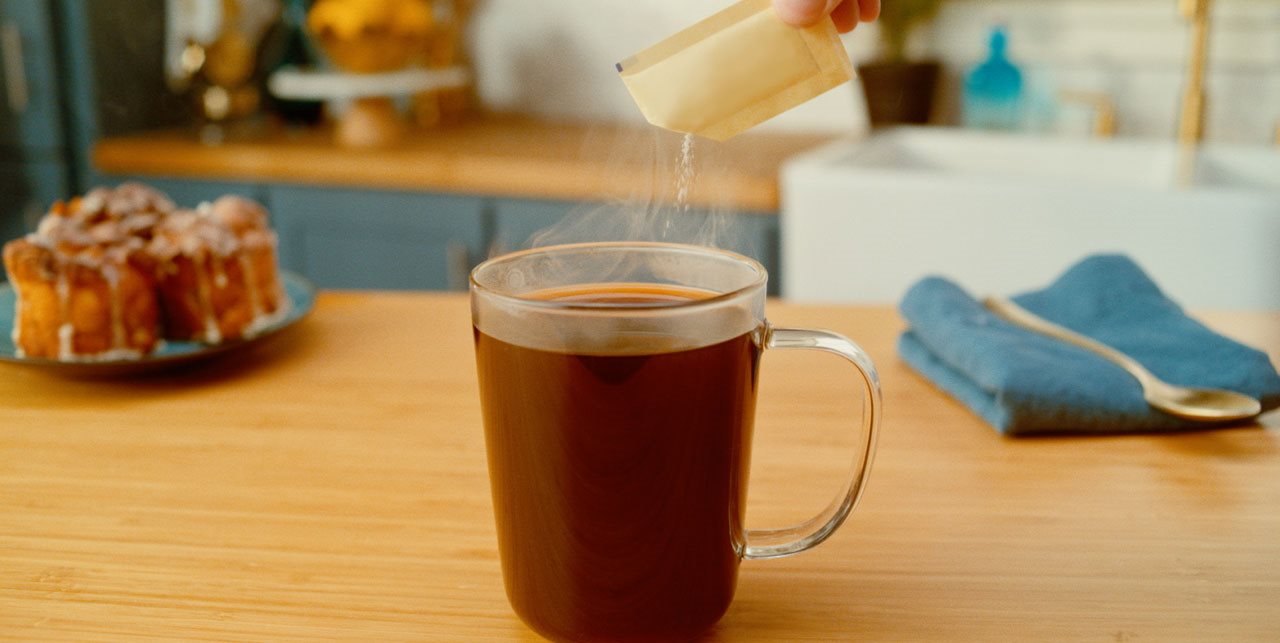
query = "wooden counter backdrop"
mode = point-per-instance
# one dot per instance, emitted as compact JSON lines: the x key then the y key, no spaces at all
{"x":494,"y":155}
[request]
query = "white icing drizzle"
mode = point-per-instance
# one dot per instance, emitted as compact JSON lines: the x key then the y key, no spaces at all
{"x":16,"y":334}
{"x":66,"y":330}
{"x":115,"y":354}
{"x":127,"y":198}
{"x":94,"y":201}
{"x":140,"y":223}
{"x":263,"y":320}
{"x":189,"y":233}
{"x":267,"y":320}
{"x":112,"y":275}
{"x":251,"y":286}
{"x":65,"y":333}
{"x":212,"y":334}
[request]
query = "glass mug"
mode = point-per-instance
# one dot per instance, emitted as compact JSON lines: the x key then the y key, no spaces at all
{"x":618,"y":387}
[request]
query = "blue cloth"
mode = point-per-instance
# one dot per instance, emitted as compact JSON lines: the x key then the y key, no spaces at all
{"x":1023,"y":383}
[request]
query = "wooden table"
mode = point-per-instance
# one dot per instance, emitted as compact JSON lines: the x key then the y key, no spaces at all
{"x":331,"y":484}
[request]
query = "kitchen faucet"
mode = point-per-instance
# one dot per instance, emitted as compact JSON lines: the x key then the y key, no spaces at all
{"x":1191,"y":122}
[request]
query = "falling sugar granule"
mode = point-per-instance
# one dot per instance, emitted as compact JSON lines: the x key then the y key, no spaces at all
{"x":684,"y":174}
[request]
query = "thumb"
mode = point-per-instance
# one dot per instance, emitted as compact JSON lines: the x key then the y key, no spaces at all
{"x":803,"y":13}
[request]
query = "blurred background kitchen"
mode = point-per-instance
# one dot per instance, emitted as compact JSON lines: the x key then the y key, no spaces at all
{"x":399,"y":142}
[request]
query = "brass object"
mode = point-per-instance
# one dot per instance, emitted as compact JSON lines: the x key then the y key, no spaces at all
{"x":1104,"y":110}
{"x":219,"y":74}
{"x":446,"y":48}
{"x":1197,"y":404}
{"x":1191,"y":121}
{"x":371,"y":122}
{"x":192,"y":58}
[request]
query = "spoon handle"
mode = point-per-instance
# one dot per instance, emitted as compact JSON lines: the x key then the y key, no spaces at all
{"x":1019,"y":316}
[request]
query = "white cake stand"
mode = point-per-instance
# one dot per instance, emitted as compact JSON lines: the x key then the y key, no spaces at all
{"x":372,"y":120}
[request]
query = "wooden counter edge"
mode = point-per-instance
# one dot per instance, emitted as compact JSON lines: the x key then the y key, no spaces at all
{"x":453,"y":165}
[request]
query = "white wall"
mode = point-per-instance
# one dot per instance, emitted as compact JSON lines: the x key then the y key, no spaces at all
{"x":1133,"y":50}
{"x":555,"y":58}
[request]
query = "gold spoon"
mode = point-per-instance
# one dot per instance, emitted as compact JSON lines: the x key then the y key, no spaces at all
{"x":1198,"y":404}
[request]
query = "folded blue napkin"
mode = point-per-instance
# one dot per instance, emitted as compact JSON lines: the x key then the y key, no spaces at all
{"x":1024,"y":383}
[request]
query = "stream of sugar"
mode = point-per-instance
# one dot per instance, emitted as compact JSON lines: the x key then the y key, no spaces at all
{"x":685,"y":174}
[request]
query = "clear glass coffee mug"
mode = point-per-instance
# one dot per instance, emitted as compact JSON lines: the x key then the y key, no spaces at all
{"x":618,"y":385}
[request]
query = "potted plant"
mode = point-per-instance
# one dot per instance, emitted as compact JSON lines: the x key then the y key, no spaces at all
{"x":898,"y":90}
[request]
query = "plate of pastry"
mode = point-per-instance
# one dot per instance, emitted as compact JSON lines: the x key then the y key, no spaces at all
{"x":121,"y":280}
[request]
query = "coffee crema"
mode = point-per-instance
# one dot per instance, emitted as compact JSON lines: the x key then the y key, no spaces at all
{"x":619,"y":478}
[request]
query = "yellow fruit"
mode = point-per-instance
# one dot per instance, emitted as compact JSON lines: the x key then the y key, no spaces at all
{"x":348,"y":19}
{"x":367,"y":36}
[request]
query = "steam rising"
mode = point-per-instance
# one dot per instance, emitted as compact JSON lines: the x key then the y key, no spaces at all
{"x":664,"y":187}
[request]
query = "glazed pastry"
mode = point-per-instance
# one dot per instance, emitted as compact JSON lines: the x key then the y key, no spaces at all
{"x":109,"y":275}
{"x":247,"y":220}
{"x":216,"y":271}
{"x":136,"y":207}
{"x":82,"y":294}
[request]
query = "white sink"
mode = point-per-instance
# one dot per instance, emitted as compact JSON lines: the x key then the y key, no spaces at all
{"x":999,"y":213}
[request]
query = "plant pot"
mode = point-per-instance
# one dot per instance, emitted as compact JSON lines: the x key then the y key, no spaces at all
{"x":899,"y":93}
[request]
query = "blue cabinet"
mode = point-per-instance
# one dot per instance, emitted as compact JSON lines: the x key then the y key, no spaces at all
{"x":188,"y":193}
{"x":519,"y":223}
{"x":32,"y":146}
{"x":30,"y":107}
{"x":27,"y":190}
{"x":378,"y":240}
{"x":516,"y":221}
{"x":71,"y":70}
{"x":110,"y":68}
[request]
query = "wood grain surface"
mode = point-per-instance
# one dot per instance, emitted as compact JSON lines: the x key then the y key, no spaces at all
{"x":496,"y":155}
{"x":331,"y":484}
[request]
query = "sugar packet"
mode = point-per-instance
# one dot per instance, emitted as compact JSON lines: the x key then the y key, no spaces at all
{"x":734,"y":70}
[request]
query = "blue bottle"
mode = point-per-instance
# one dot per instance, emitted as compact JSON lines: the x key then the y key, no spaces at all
{"x":993,"y":91}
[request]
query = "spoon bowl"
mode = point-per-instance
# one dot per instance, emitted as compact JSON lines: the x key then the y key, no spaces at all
{"x":1200,"y":404}
{"x":1195,"y":404}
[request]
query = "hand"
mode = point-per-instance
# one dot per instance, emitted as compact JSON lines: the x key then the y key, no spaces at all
{"x":845,"y":13}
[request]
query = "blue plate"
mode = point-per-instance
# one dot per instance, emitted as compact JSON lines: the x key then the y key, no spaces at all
{"x":301,"y":294}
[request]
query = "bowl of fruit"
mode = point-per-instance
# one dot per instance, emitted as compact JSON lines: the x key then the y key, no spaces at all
{"x":371,"y":36}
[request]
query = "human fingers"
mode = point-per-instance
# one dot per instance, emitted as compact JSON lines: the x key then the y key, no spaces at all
{"x":805,"y":13}
{"x":868,"y":10}
{"x":845,"y":15}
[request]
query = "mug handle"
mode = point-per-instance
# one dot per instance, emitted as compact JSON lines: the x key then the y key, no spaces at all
{"x":776,"y":543}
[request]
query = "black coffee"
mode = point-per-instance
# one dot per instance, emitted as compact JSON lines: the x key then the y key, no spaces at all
{"x":619,"y":480}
